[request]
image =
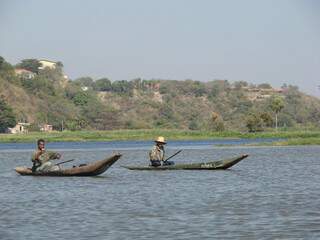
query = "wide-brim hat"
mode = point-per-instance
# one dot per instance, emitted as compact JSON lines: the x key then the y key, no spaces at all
{"x":160,"y":140}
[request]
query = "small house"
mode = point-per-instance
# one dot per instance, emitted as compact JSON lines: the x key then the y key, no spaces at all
{"x":19,"y":128}
{"x":46,"y":128}
{"x":24,"y":73}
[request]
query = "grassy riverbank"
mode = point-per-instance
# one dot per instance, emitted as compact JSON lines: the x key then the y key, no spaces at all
{"x":292,"y":142}
{"x":289,"y":137}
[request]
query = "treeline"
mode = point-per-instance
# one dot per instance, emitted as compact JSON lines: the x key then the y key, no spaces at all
{"x":48,"y":97}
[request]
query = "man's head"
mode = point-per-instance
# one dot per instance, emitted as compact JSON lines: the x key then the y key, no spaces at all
{"x":41,"y":144}
{"x":160,"y":141}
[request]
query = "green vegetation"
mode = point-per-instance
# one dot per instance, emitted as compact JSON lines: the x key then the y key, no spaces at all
{"x":7,"y":117}
{"x":289,"y":138}
{"x":215,"y":108}
{"x":258,"y":121}
{"x":298,"y":141}
{"x":277,"y":104}
{"x":30,"y":65}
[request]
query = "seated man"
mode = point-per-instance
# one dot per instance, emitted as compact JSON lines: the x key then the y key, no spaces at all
{"x":157,"y":153}
{"x":41,"y":159}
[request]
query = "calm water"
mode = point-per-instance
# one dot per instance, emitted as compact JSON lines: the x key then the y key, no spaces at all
{"x":273,"y":194}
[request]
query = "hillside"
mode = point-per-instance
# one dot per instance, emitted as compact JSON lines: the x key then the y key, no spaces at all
{"x":44,"y":95}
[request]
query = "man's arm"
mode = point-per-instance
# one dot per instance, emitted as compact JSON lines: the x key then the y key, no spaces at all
{"x":162,"y":155}
{"x":35,"y":156}
{"x":54,"y":155}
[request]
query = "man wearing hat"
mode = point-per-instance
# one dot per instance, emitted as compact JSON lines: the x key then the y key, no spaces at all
{"x":157,"y":153}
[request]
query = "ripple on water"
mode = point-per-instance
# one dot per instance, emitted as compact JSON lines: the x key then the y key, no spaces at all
{"x":273,"y":194}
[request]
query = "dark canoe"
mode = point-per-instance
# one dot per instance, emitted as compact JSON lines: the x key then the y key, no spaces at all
{"x":91,"y":169}
{"x":216,"y":165}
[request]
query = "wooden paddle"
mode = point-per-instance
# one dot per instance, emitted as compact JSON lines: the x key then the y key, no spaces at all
{"x":64,"y":162}
{"x":173,"y":155}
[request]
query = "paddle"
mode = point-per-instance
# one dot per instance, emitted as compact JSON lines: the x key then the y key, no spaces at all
{"x":57,"y":164}
{"x":173,"y":155}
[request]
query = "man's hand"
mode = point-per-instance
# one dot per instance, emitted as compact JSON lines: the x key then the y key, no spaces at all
{"x":58,"y":156}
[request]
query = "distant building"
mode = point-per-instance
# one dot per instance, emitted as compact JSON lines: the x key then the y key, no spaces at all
{"x":19,"y":128}
{"x":24,"y":73}
{"x":258,"y":94}
{"x":46,"y":128}
{"x":272,"y":90}
{"x":47,"y":64}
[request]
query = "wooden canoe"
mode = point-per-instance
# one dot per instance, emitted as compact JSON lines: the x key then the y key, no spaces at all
{"x":215,"y":165}
{"x":91,"y":169}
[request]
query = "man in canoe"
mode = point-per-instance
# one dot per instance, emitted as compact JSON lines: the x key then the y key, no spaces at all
{"x":41,"y":159}
{"x":157,"y":153}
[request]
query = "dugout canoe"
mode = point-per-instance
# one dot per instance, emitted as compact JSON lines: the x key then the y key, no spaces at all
{"x":214,"y":165}
{"x":84,"y":170}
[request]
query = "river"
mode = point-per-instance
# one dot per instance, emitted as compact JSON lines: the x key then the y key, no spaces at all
{"x":273,"y":194}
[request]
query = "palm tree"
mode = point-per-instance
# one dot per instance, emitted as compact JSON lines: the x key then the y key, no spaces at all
{"x":277,"y":104}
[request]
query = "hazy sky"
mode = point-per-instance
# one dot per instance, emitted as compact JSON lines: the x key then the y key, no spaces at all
{"x":275,"y":41}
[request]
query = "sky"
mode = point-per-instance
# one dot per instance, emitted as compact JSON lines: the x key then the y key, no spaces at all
{"x":273,"y":41}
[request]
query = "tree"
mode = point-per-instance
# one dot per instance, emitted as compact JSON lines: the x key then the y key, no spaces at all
{"x":193,"y":125}
{"x":254,"y":123}
{"x":199,"y":89}
{"x":240,"y":84}
{"x":265,"y":86}
{"x":81,"y":98}
{"x":59,"y":64}
{"x":7,"y":71}
{"x":7,"y":117}
{"x":103,"y":84}
{"x":218,"y":87}
{"x":76,"y":124}
{"x":122,"y":87}
{"x":2,"y":61}
{"x":216,"y":122}
{"x":267,"y":119}
{"x":39,"y":85}
{"x":84,"y":81}
{"x":30,"y":64}
{"x":277,"y":104}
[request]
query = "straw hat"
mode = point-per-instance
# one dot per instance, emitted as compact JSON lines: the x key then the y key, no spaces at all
{"x":160,"y":140}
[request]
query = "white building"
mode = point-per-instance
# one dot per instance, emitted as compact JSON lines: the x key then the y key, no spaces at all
{"x":19,"y":128}
{"x":47,"y":64}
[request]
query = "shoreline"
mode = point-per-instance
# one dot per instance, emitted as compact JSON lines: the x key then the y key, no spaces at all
{"x":282,"y":138}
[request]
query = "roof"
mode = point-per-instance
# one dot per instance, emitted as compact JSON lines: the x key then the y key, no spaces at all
{"x":20,"y":70}
{"x":45,"y":60}
{"x":23,"y":124}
